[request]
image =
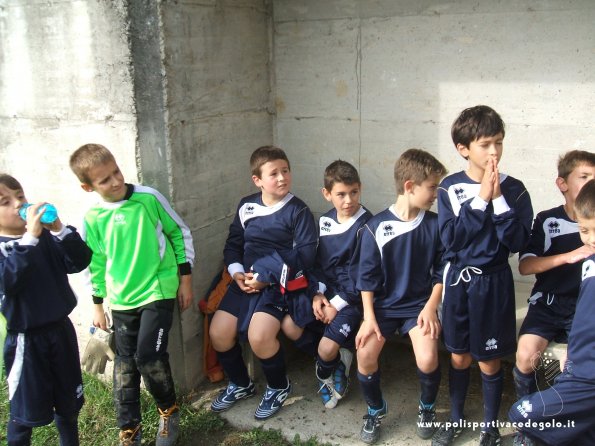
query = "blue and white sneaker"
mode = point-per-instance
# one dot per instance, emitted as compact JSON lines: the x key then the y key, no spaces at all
{"x":370,"y":432}
{"x":341,"y":374}
{"x":327,"y":391}
{"x":230,"y":395}
{"x":272,"y":401}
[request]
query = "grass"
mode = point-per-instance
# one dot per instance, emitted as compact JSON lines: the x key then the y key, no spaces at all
{"x":97,"y":423}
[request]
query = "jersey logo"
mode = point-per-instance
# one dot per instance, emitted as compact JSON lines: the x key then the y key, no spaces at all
{"x":460,"y":194}
{"x":525,"y":408}
{"x":120,"y":219}
{"x":554,"y":227}
{"x":388,"y":230}
{"x":326,"y":226}
{"x":345,"y":330}
{"x":588,"y":269}
{"x":491,"y":344}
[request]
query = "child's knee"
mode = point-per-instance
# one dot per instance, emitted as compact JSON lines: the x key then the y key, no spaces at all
{"x":328,"y":349}
{"x":427,"y":362}
{"x":461,"y":361}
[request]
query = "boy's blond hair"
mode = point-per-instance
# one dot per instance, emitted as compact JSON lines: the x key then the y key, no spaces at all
{"x":568,"y":162}
{"x":87,"y":157}
{"x":584,"y":205}
{"x":263,"y":155}
{"x":416,"y":165}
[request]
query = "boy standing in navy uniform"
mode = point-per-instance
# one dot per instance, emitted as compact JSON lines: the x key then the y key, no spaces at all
{"x":554,"y":255}
{"x":40,"y":351}
{"x":399,"y":276}
{"x":484,"y":217}
{"x":337,"y":303}
{"x":270,"y":247}
{"x":563,"y":413}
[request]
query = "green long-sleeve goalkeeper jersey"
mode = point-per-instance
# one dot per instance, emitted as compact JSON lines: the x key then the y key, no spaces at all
{"x":138,"y":245}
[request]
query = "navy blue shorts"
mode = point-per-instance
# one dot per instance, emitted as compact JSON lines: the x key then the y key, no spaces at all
{"x":44,"y":374}
{"x":550,"y":318}
{"x":344,"y":326}
{"x":478,"y":314}
{"x":399,"y":326}
{"x":561,"y":414}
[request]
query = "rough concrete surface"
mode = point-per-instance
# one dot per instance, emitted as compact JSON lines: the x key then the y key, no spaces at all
{"x":304,"y":414}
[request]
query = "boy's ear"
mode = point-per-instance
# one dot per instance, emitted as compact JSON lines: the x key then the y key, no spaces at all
{"x":561,"y":183}
{"x":256,"y":181}
{"x":463,"y":150}
{"x":408,"y":186}
{"x":326,"y":194}
{"x":86,"y":187}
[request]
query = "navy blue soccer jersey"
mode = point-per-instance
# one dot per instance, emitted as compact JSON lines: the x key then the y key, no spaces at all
{"x":335,"y":254}
{"x":400,"y":261}
{"x":482,"y":237}
{"x":555,"y":233}
{"x":34,"y":287}
{"x":277,"y":242}
{"x":581,"y":340}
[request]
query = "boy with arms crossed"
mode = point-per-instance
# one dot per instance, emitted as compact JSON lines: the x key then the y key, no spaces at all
{"x":40,"y":350}
{"x":339,"y":230}
{"x":400,"y":278}
{"x":271,"y":244}
{"x":554,"y":255}
{"x":142,"y":260}
{"x":484,"y":216}
{"x":563,"y":414}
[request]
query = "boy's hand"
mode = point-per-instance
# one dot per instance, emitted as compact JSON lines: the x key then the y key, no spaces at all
{"x":496,"y":192}
{"x":368,"y":328}
{"x":318,"y":302}
{"x":330,"y":313}
{"x":240,"y":279}
{"x":34,"y":225}
{"x":428,"y":322}
{"x":56,"y":226}
{"x":99,"y":319}
{"x":486,"y":189}
{"x":253,"y":283}
{"x":579,"y":254}
{"x":185,"y":294}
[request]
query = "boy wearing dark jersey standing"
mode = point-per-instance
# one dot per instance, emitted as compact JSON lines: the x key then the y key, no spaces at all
{"x":40,"y":350}
{"x":563,"y":414}
{"x":142,"y":262}
{"x":270,"y":247}
{"x":399,"y":275}
{"x":336,"y":303}
{"x":484,"y":216}
{"x":554,"y":254}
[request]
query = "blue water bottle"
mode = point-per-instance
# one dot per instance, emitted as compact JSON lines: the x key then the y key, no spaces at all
{"x":49,"y":216}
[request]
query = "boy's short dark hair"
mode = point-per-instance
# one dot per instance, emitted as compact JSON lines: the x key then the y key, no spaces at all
{"x":584,"y":205}
{"x":10,"y":182}
{"x":87,"y":157}
{"x":340,"y":171}
{"x":263,"y":155}
{"x":568,"y":162}
{"x":474,"y":123}
{"x":416,"y":165}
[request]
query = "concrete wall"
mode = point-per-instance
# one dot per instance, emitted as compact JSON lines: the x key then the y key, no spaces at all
{"x":216,"y":60}
{"x":164,"y":85}
{"x":365,"y":80}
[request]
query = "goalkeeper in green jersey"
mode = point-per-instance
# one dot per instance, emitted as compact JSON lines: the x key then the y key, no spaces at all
{"x":142,"y":261}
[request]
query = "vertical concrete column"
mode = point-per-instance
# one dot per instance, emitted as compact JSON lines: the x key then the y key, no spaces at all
{"x":152,"y":145}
